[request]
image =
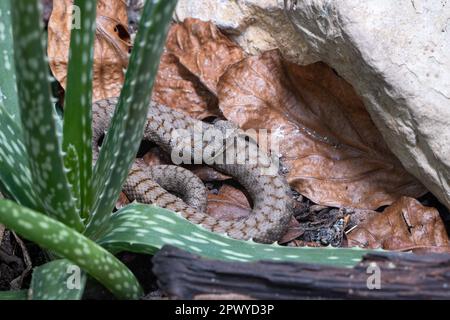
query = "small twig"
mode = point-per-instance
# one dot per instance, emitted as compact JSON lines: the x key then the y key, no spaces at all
{"x":16,"y":284}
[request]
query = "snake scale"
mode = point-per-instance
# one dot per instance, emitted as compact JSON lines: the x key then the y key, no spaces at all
{"x":272,"y":208}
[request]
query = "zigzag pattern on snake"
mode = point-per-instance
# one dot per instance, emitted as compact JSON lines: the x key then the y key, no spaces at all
{"x":272,"y":208}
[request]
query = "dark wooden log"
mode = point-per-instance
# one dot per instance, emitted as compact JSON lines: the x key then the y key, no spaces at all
{"x":183,"y":275}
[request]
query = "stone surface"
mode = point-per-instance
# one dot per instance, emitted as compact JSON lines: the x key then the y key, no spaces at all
{"x":396,"y":54}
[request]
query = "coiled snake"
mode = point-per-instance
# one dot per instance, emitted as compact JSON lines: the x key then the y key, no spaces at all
{"x":271,"y":210}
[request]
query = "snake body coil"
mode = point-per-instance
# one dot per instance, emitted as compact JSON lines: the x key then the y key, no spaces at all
{"x":147,"y":184}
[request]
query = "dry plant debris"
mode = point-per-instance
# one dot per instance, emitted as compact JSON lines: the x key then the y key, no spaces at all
{"x":179,"y":89}
{"x":405,"y":225}
{"x":203,"y":50}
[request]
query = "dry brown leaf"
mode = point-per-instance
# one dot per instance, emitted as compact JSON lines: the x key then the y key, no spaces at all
{"x":404,"y":225}
{"x":122,"y":201}
{"x":112,"y":45}
{"x":196,"y":55}
{"x":358,"y":216}
{"x":229,"y":204}
{"x":155,"y":156}
{"x":179,"y":89}
{"x":333,"y":152}
{"x":293,"y":231}
{"x":203,"y":50}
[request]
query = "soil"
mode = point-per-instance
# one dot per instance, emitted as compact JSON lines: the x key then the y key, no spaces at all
{"x":141,"y":265}
{"x":11,"y":265}
{"x":15,"y":272}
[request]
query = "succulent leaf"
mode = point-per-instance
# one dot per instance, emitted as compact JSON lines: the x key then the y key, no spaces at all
{"x":57,"y":280}
{"x":14,"y":295}
{"x":66,"y":242}
{"x":15,"y":175}
{"x":43,"y":145}
{"x":78,"y":99}
{"x":146,"y":228}
{"x":8,"y":89}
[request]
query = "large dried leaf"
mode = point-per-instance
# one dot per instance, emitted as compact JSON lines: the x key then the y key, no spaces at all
{"x":293,"y":231}
{"x":177,"y":88}
{"x":155,"y":156}
{"x":197,"y":54}
{"x":404,"y":225}
{"x":203,"y":50}
{"x":229,"y":204}
{"x":112,"y":45}
{"x":333,"y":152}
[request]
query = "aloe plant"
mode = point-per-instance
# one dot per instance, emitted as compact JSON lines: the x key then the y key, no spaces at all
{"x":58,"y":200}
{"x":44,"y":172}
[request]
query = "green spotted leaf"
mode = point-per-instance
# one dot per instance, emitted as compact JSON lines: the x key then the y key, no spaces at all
{"x":66,"y":242}
{"x":58,"y":280}
{"x":146,"y":228}
{"x":77,"y":107}
{"x":73,"y":165}
{"x":43,"y":145}
{"x":8,"y":89}
{"x":14,"y":295}
{"x":15,"y":175}
{"x":123,"y":138}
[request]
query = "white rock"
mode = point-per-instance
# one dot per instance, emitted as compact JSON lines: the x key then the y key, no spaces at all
{"x":396,"y":54}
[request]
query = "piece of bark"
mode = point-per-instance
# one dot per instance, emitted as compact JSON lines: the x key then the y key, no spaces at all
{"x":183,"y":275}
{"x":231,"y":296}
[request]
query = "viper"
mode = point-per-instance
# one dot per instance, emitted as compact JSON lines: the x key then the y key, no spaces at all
{"x":178,"y":189}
